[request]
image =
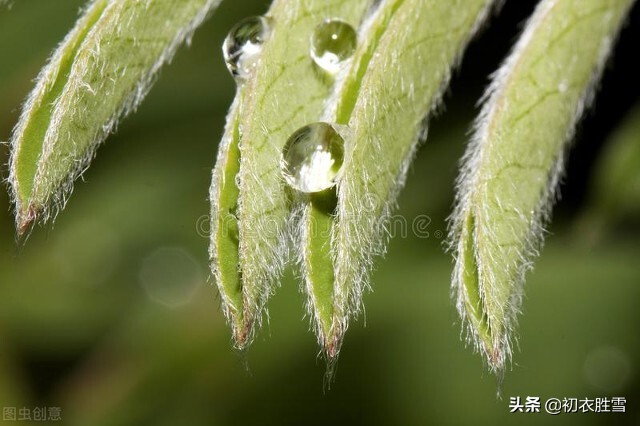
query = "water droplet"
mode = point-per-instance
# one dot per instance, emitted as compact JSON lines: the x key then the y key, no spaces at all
{"x":243,"y":45}
{"x":312,"y":158}
{"x":332,"y":43}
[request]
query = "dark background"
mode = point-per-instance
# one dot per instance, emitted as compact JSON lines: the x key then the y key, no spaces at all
{"x":108,"y":315}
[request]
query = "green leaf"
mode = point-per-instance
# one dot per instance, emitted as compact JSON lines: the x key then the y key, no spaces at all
{"x":513,"y":164}
{"x":223,"y":249}
{"x":283,"y":93}
{"x":100,"y":72}
{"x":406,"y":51}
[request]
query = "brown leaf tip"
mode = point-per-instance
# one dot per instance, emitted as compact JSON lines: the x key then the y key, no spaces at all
{"x":25,"y":221}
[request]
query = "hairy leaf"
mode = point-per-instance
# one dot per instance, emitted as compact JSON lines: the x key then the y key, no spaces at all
{"x":248,"y":243}
{"x":406,"y":51}
{"x":513,"y":164}
{"x":100,"y":72}
{"x":223,"y":248}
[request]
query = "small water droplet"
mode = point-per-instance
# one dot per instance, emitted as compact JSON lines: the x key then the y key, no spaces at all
{"x":243,"y":45}
{"x":312,"y":157}
{"x":332,"y":43}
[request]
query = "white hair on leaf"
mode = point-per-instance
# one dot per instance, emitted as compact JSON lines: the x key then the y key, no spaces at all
{"x":501,"y":221}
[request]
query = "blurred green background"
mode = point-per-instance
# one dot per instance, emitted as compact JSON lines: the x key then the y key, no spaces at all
{"x":109,"y":315}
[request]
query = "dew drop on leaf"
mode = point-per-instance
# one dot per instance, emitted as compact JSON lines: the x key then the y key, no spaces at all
{"x":312,"y":157}
{"x":332,"y":43}
{"x":243,"y":45}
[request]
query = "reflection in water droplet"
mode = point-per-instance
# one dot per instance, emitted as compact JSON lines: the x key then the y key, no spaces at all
{"x":607,"y":369}
{"x":170,"y":276}
{"x":243,"y":45}
{"x":332,"y":43}
{"x":312,"y":157}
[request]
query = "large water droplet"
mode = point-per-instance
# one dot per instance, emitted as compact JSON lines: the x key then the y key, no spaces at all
{"x":312,"y":158}
{"x":332,"y":43}
{"x":243,"y":45}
